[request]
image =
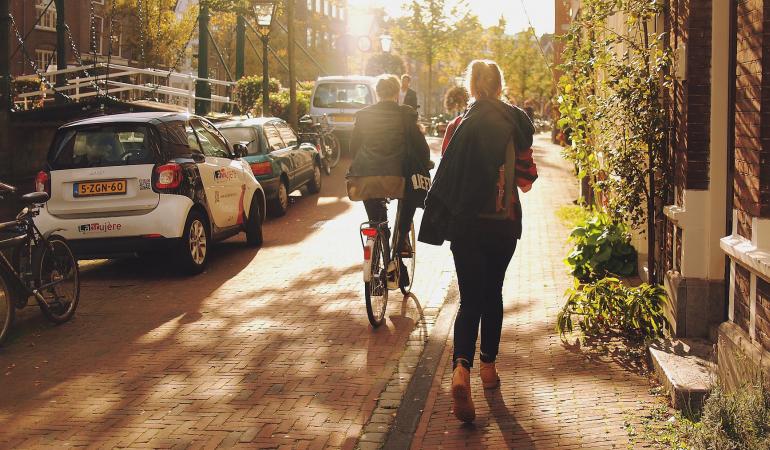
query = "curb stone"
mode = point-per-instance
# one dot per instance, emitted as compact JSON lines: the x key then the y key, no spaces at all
{"x":390,"y":426}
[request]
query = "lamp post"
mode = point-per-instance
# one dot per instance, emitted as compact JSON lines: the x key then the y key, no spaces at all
{"x":265,"y":13}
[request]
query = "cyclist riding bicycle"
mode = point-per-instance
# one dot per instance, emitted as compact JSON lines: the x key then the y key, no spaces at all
{"x":382,"y":134}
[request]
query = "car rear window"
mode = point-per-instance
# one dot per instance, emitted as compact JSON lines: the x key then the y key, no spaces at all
{"x":102,"y":146}
{"x":342,"y":95}
{"x":237,"y":135}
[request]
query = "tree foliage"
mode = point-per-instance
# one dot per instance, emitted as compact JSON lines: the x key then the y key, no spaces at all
{"x":428,"y":31}
{"x":381,"y":63}
{"x":610,"y":100}
{"x":155,"y":34}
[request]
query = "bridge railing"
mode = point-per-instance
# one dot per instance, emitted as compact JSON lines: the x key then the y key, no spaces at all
{"x":129,"y":83}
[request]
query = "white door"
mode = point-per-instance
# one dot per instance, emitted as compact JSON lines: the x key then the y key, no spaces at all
{"x":222,"y":176}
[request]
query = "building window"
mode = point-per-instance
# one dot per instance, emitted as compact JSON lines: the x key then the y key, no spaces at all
{"x":45,"y":58}
{"x":335,"y":11}
{"x":310,"y":5}
{"x":98,"y":33}
{"x":329,"y":9}
{"x":318,"y":6}
{"x":117,"y":43}
{"x":342,"y":13}
{"x":309,"y":37}
{"x":48,"y":21}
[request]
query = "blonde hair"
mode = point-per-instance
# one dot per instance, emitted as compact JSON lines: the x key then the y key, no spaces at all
{"x":484,"y":79}
{"x":387,"y":87}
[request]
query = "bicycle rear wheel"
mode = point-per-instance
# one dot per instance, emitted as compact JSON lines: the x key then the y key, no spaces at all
{"x":334,"y":150}
{"x":58,"y":280}
{"x":409,"y":261}
{"x":376,"y":289}
{"x":7,"y":308}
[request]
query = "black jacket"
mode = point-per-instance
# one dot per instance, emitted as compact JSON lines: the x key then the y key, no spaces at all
{"x":466,"y":178}
{"x":379,"y":139}
{"x":410,"y":98}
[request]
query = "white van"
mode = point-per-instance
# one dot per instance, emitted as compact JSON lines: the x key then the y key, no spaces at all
{"x":340,"y":97}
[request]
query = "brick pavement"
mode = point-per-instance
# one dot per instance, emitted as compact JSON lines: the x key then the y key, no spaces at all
{"x":552,"y":396}
{"x":269,"y":348}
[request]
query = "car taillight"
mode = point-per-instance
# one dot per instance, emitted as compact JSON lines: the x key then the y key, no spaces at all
{"x":43,"y":182}
{"x":262,"y":168}
{"x":168,"y":176}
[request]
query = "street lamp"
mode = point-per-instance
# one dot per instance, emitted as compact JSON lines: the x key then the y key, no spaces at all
{"x":265,"y":13}
{"x":386,"y":42}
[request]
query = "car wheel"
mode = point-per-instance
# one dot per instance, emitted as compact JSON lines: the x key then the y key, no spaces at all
{"x":254,"y":223}
{"x":314,"y":186}
{"x":194,"y":248}
{"x":280,"y":203}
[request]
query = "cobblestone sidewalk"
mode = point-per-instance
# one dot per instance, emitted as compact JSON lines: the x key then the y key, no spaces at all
{"x":552,"y":396}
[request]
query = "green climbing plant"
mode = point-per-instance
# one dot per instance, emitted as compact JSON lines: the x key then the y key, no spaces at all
{"x":612,"y":103}
{"x":607,"y":305}
{"x":602,"y":247}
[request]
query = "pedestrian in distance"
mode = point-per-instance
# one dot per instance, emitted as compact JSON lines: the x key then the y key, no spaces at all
{"x":474,"y":204}
{"x":456,"y":101}
{"x":385,"y":135}
{"x":407,"y":96}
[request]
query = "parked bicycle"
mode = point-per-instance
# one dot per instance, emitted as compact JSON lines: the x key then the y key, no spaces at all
{"x":35,"y":265}
{"x":321,"y":134}
{"x":383,"y":265}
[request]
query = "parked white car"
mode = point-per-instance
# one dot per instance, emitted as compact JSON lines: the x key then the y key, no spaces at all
{"x":137,"y":183}
{"x":340,"y":97}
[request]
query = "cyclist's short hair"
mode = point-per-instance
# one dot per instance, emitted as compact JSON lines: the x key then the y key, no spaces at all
{"x":387,"y":86}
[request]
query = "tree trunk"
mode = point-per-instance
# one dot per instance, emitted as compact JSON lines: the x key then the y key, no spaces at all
{"x":429,"y":95}
{"x":292,"y":73}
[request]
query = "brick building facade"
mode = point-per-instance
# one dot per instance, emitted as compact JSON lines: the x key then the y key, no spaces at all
{"x":40,"y":44}
{"x":716,"y":251}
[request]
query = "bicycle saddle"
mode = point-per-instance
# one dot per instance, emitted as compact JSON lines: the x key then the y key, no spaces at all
{"x":34,"y":198}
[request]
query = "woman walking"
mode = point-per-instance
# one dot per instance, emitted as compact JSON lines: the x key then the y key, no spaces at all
{"x":472,"y":205}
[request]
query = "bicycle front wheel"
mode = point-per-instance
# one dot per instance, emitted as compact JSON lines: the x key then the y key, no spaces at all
{"x":7,"y":308}
{"x":409,"y":259}
{"x":57,"y":279}
{"x":376,"y":289}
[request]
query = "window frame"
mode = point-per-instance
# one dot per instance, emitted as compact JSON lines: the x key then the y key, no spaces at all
{"x":283,"y":125}
{"x":268,"y":146}
{"x":50,"y":16}
{"x":205,"y":126}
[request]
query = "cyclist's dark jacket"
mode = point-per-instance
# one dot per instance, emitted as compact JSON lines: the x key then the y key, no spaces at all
{"x":379,"y":143}
{"x":378,"y":139}
{"x":465,"y":183}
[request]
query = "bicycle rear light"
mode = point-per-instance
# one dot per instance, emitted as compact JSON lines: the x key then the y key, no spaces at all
{"x":43,"y":182}
{"x":369,"y":232}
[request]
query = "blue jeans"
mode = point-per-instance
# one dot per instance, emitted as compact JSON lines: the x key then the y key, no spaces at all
{"x":481,"y":258}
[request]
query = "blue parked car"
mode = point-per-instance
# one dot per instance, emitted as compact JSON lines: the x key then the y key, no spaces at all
{"x":278,"y":160}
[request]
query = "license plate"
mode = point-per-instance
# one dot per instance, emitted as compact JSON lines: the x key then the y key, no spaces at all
{"x":344,"y":118}
{"x":95,"y":188}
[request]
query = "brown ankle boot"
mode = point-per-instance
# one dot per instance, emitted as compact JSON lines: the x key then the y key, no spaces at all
{"x":462,"y":403}
{"x":488,"y":374}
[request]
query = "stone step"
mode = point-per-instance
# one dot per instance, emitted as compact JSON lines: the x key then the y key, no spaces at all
{"x":686,"y":368}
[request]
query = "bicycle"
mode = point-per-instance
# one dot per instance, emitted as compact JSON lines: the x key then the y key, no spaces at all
{"x":322,"y":136}
{"x":41,"y":266}
{"x":383,"y":263}
{"x":333,"y":148}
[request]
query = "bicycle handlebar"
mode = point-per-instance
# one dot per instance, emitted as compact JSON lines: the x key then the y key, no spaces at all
{"x":7,"y":188}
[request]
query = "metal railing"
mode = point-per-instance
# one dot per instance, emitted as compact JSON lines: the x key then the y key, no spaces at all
{"x":129,"y":83}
